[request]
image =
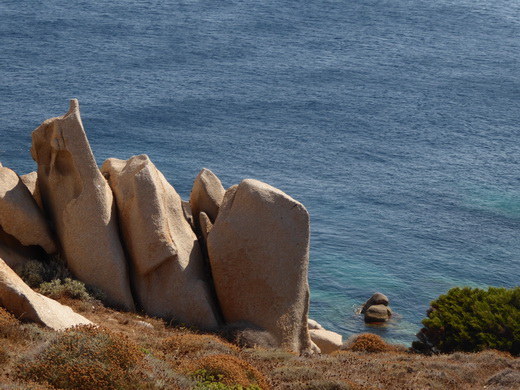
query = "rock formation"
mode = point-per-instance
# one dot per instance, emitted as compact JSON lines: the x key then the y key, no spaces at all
{"x":31,"y":182}
{"x":80,"y":203}
{"x":168,"y":273}
{"x":206,"y":195}
{"x":20,"y":216}
{"x":259,"y":254}
{"x":312,"y":324}
{"x":376,"y":299}
{"x":205,"y":225}
{"x":378,"y":313}
{"x":326,"y":340}
{"x":15,"y":254}
{"x":25,"y":304}
{"x":376,"y":308}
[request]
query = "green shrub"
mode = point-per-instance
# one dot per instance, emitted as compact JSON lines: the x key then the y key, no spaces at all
{"x":471,"y":320}
{"x":69,"y":288}
{"x":36,"y":272}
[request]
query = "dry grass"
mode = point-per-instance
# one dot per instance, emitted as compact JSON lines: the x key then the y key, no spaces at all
{"x":196,"y":345}
{"x":139,"y":352}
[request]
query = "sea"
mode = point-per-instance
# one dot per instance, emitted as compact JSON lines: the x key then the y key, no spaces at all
{"x":395,"y":122}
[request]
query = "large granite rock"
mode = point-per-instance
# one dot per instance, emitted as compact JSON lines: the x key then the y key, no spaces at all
{"x":326,"y":340}
{"x":259,"y":254}
{"x":206,"y":195}
{"x":80,"y":203}
{"x":19,"y":299}
{"x":20,"y":216}
{"x":168,"y":272}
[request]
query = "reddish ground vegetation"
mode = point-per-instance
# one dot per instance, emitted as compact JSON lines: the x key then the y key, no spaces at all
{"x":142,"y":352}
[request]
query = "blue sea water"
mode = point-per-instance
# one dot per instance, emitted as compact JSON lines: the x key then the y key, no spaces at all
{"x":394,"y":122}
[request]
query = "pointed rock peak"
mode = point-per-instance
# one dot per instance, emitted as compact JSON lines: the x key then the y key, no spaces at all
{"x":78,"y":200}
{"x":206,"y":195}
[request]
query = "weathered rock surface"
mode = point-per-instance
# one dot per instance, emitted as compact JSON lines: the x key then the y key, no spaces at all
{"x":167,"y":266}
{"x":376,"y":299}
{"x":326,"y":340}
{"x":20,"y":216}
{"x":205,"y":225}
{"x":259,"y":254}
{"x":377,"y":313}
{"x":312,"y":324}
{"x":31,"y":182}
{"x":12,"y":254}
{"x":206,"y":195}
{"x":80,"y":203}
{"x":26,"y":304}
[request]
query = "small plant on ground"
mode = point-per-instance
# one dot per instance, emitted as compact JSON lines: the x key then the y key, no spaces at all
{"x":471,"y":320}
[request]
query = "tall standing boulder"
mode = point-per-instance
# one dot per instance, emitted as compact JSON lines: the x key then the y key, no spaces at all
{"x":259,"y":254}
{"x":20,"y":216}
{"x":168,"y":273}
{"x":80,"y":203}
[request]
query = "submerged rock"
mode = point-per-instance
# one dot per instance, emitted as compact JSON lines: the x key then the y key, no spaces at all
{"x":377,"y":313}
{"x":375,"y":299}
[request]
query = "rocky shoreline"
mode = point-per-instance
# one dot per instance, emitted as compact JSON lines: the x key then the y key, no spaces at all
{"x":235,"y":257}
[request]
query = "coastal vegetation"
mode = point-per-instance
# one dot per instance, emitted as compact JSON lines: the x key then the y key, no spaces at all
{"x":471,"y":320}
{"x":128,"y":350}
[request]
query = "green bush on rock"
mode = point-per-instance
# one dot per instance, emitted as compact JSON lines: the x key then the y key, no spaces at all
{"x":471,"y":319}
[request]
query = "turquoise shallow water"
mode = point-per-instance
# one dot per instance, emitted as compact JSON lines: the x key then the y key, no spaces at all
{"x":394,"y":123}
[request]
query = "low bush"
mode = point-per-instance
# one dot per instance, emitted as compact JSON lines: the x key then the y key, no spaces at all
{"x":367,"y":342}
{"x":85,"y":357}
{"x":189,"y":344}
{"x":36,"y":272}
{"x":470,"y":320}
{"x":68,"y":288}
{"x":323,"y":384}
{"x":226,"y":372}
{"x":295,"y":374}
